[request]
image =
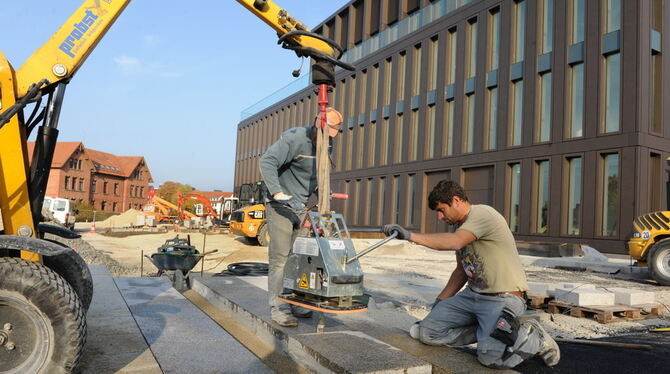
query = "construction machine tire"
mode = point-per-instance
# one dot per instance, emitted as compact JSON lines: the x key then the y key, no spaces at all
{"x":263,"y":235}
{"x":74,"y":270}
{"x":42,"y":322}
{"x":658,"y":261}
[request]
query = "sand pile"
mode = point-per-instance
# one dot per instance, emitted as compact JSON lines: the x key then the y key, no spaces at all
{"x":125,"y":219}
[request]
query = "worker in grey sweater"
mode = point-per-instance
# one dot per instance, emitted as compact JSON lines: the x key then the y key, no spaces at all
{"x":289,"y":170}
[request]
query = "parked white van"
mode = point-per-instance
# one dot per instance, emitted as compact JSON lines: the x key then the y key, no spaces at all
{"x":61,"y":210}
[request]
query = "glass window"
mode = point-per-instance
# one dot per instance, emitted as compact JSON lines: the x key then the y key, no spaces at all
{"x":430,"y":131}
{"x":612,"y":92}
{"x":81,"y":184}
{"x":398,"y":139}
{"x":370,"y":143}
{"x":67,"y":183}
{"x":574,"y":196}
{"x":387,"y":81}
{"x":396,"y":201}
{"x":547,"y":25}
{"x":73,"y":187}
{"x":411,"y":195}
{"x":401,"y":76}
{"x":384,"y":143}
{"x":432,"y":61}
{"x":104,"y":187}
{"x":471,"y":64}
{"x":542,"y":198}
{"x":610,"y":193}
{"x":519,"y":25}
{"x":416,"y":73}
{"x":657,"y":93}
{"x":576,"y":101}
{"x":577,"y":20}
{"x":451,"y":57}
{"x":448,"y":130}
{"x":494,"y":39}
{"x":469,"y":122}
{"x":94,"y":186}
{"x":514,"y":196}
{"x":517,"y":113}
{"x":413,"y":135}
{"x":613,"y":15}
{"x":374,"y":86}
{"x":492,"y":118}
{"x":543,"y":133}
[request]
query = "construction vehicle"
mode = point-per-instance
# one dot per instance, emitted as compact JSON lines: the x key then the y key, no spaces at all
{"x":649,"y":244}
{"x":248,"y":219}
{"x":208,"y":211}
{"x":45,"y":286}
{"x":164,"y":211}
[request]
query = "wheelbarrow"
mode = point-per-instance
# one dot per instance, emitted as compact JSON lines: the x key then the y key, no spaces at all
{"x":179,"y":258}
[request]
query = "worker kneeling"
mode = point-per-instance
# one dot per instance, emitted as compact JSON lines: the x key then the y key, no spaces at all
{"x":486,"y":311}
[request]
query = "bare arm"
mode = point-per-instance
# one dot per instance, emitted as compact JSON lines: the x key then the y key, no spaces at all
{"x":456,"y":280}
{"x":444,"y":241}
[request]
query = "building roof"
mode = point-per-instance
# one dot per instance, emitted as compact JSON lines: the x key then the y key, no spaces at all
{"x":63,"y":152}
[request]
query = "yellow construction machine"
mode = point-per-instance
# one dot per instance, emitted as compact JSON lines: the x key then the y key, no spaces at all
{"x":249,"y":219}
{"x":649,"y":244}
{"x":45,"y":287}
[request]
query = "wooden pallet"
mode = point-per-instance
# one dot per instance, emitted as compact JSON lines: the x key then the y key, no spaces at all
{"x":538,"y":302}
{"x":601,"y":313}
{"x":651,"y":309}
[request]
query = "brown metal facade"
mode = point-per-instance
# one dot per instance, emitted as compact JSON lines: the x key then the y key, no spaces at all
{"x":550,"y":111}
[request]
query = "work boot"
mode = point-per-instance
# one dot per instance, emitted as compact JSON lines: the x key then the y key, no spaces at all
{"x":300,"y":312}
{"x":548,"y":350}
{"x":414,"y":330}
{"x":283,"y":317}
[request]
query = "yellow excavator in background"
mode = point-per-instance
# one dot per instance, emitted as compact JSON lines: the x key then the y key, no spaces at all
{"x":45,"y":286}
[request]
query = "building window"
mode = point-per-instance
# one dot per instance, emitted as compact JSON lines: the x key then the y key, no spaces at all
{"x":516,"y":113}
{"x":398,"y":139}
{"x":471,"y":53}
{"x":656,"y":99}
{"x":432,"y":63}
{"x":612,"y":96}
{"x":67,"y":183}
{"x":491,"y":118}
{"x":103,"y":205}
{"x":610,"y":194}
{"x":392,"y":11}
{"x":401,"y":66}
{"x":469,"y":123}
{"x":519,"y":29}
{"x":416,"y":70}
{"x":575,"y":113}
{"x":411,"y":196}
{"x":382,"y":193}
{"x":448,"y":130}
{"x":543,"y":130}
{"x":396,"y":200}
{"x":574,"y":215}
{"x":430,"y":131}
{"x":141,"y":191}
{"x":114,"y":206}
{"x":384,"y":143}
{"x":494,"y":39}
{"x":542,"y":197}
{"x":451,"y":56}
{"x":414,"y":135}
{"x":514,"y":196}
{"x":371,"y":142}
{"x":81,"y":184}
{"x":546,"y":26}
{"x":374,"y":86}
{"x":612,"y":15}
{"x":104,"y":188}
{"x":94,"y":185}
{"x":73,"y":187}
{"x":577,"y":21}
{"x":368,"y":205}
{"x":116,"y":189}
{"x":360,"y":142}
{"x":387,"y":81}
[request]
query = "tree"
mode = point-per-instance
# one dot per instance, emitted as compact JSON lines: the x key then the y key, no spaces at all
{"x":168,"y":190}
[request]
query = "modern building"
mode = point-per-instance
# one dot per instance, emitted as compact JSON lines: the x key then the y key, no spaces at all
{"x":108,"y":182}
{"x":551,"y":111}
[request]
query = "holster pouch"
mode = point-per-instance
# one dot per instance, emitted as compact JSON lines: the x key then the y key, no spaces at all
{"x":507,"y":328}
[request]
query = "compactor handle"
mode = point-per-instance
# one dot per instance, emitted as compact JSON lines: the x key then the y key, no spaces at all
{"x":341,"y":196}
{"x":374,"y":246}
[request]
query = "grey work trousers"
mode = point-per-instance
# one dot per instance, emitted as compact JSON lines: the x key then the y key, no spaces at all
{"x":470,"y":317}
{"x":283,"y":226}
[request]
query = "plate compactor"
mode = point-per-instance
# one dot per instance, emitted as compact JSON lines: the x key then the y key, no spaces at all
{"x":322,"y":272}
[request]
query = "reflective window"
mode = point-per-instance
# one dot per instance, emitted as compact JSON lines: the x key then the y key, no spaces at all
{"x":413,"y":135}
{"x":430,"y":131}
{"x":576,"y":101}
{"x":542,"y":198}
{"x":448,"y":130}
{"x":384,"y":143}
{"x":519,"y":27}
{"x":612,"y":92}
{"x":469,"y":123}
{"x":547,"y":25}
{"x":451,"y":57}
{"x":492,"y":118}
{"x":613,"y":15}
{"x":514,"y":196}
{"x":544,"y":115}
{"x":517,"y":112}
{"x":411,"y":195}
{"x":416,"y":73}
{"x":574,"y":196}
{"x":432,"y":63}
{"x":610,"y":193}
{"x":471,"y":64}
{"x":494,"y":39}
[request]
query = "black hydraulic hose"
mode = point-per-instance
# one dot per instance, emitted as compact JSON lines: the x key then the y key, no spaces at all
{"x":245,"y":269}
{"x":33,"y":92}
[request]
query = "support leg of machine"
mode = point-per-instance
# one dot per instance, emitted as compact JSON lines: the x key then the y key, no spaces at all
{"x":321,"y":322}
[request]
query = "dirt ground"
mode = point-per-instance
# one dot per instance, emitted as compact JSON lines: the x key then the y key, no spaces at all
{"x":402,"y":278}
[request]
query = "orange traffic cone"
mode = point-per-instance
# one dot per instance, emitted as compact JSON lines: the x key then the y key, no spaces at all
{"x":92,"y":230}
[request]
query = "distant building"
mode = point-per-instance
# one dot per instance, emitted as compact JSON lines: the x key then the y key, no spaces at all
{"x":108,"y":182}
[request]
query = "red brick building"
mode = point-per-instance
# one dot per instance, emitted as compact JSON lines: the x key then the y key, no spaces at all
{"x":109,"y":182}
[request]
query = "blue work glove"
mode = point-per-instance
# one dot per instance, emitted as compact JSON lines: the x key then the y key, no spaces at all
{"x":290,"y":201}
{"x":403,"y":233}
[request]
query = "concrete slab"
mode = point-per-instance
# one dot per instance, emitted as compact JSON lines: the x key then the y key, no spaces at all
{"x":183,"y":338}
{"x":352,"y":343}
{"x":115,"y":343}
{"x":584,"y":296}
{"x":627,"y":296}
{"x":541,"y":288}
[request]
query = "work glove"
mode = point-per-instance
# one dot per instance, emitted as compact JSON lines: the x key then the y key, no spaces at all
{"x":403,"y":233}
{"x":290,"y":201}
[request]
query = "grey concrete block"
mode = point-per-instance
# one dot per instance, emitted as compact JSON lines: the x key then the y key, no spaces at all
{"x":585,"y":297}
{"x":627,"y":296}
{"x":541,"y":288}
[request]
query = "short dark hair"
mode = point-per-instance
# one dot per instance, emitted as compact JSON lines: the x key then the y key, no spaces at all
{"x":444,"y":192}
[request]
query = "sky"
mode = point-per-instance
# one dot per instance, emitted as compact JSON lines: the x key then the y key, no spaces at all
{"x":169,"y":79}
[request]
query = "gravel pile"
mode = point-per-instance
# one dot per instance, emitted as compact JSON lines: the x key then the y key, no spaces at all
{"x":93,"y":256}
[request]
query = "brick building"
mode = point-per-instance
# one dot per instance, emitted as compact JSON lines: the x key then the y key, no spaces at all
{"x":108,"y":182}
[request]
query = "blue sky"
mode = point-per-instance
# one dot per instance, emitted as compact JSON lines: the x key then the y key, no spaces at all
{"x":168,"y":81}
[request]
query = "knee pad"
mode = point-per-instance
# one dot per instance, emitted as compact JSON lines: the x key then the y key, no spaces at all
{"x":507,"y":328}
